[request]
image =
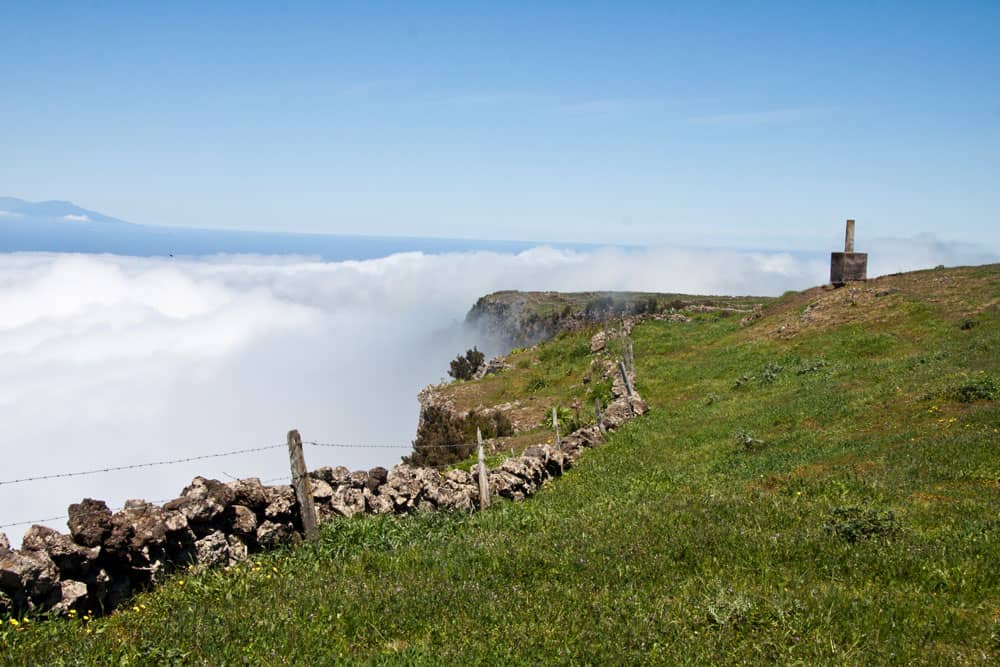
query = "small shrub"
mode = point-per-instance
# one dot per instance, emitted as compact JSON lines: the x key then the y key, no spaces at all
{"x":746,"y":441}
{"x":729,"y":608}
{"x":440,"y":439}
{"x":980,"y":389}
{"x":569,"y":420}
{"x":464,"y":367}
{"x":536,"y":383}
{"x":855,"y":523}
{"x":812,"y":366}
{"x":769,"y":373}
{"x":967,"y":324}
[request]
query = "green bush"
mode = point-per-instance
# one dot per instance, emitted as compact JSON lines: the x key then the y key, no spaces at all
{"x":463,"y":367}
{"x":855,"y":524}
{"x":980,"y":389}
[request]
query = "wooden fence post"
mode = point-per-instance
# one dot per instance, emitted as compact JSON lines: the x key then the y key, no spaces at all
{"x":484,"y":484}
{"x":555,"y":425}
{"x":303,"y":489}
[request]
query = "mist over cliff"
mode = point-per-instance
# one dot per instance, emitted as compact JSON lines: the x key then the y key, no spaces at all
{"x":109,"y":360}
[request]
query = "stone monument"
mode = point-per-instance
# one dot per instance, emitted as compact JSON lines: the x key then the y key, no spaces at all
{"x":848,"y":266}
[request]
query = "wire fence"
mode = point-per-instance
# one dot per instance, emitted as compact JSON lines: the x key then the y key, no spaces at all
{"x":202,"y":457}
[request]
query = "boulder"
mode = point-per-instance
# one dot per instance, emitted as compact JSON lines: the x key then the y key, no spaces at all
{"x":616,"y":413}
{"x":281,"y":503}
{"x":359,"y":479}
{"x":348,"y":501}
{"x":89,"y":522}
{"x":322,"y":492}
{"x":271,"y":534}
{"x":598,"y":342}
{"x":325,"y":473}
{"x":376,"y":478}
{"x":70,"y":559}
{"x":72,"y":595}
{"x":377,"y":503}
{"x":28,"y":577}
{"x":203,"y":501}
{"x":238,"y":551}
{"x":147,"y":524}
{"x":4,"y":544}
{"x":242,"y":520}
{"x":403,"y":486}
{"x":339,"y":476}
{"x":212,"y":550}
{"x":249,"y":493}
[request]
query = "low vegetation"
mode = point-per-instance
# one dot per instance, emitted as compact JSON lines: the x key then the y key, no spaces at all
{"x":865,"y":531}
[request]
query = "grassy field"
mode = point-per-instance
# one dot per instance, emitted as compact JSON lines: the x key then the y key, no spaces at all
{"x":821,"y":487}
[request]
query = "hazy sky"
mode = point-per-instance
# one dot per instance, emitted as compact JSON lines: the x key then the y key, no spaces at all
{"x":760,"y":124}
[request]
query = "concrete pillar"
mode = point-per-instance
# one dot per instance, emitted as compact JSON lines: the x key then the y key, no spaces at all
{"x":849,"y":237}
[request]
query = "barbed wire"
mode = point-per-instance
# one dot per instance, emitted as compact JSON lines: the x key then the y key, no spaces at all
{"x":348,"y":446}
{"x":81,"y":514}
{"x":134,"y":466}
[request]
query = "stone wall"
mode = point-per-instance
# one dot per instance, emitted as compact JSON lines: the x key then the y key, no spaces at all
{"x":107,"y":556}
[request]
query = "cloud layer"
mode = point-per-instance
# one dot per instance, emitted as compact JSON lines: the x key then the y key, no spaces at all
{"x":108,"y":360}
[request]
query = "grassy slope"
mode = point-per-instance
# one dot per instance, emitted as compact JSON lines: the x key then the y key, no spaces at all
{"x":670,"y":544}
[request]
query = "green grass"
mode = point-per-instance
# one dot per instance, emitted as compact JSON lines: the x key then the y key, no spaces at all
{"x":864,"y":528}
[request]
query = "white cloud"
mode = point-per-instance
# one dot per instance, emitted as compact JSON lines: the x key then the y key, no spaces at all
{"x":110,"y":360}
{"x":10,"y":214}
{"x":72,"y":217}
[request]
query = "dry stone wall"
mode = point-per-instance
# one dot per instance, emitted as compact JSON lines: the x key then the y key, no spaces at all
{"x":107,"y":556}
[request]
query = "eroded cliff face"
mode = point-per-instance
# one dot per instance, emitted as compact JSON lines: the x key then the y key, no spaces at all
{"x":511,"y":319}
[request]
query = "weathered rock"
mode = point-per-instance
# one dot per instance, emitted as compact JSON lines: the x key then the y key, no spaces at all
{"x":27,"y":577}
{"x":271,"y":534}
{"x":212,"y":550}
{"x":281,"y":503}
{"x":598,"y":342}
{"x":403,"y":486}
{"x":339,"y":475}
{"x":147,"y":524}
{"x":376,"y":478}
{"x":238,"y":551}
{"x":378,"y":504}
{"x":72,"y":595}
{"x":348,"y":501}
{"x":321,"y":491}
{"x":203,"y":500}
{"x":4,"y":543}
{"x":617,"y":413}
{"x":462,"y":477}
{"x":249,"y":492}
{"x":324,"y":473}
{"x":70,"y":559}
{"x":242,"y":520}
{"x":359,"y":479}
{"x":6,"y":604}
{"x":89,"y":522}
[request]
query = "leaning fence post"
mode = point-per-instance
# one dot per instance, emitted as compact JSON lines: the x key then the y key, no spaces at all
{"x":303,"y":489}
{"x":484,"y":484}
{"x":628,"y":385}
{"x":555,"y":425}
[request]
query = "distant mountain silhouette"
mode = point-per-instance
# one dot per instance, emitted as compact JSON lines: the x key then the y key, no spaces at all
{"x":13,"y":209}
{"x":62,"y":226}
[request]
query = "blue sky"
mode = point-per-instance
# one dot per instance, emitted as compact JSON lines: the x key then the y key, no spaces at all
{"x":717,"y":124}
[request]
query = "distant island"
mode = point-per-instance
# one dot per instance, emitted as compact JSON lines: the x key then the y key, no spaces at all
{"x":62,"y":226}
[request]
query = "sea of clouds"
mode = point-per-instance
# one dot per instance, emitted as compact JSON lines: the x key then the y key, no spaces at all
{"x":110,"y":360}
